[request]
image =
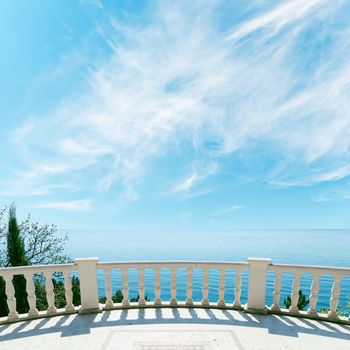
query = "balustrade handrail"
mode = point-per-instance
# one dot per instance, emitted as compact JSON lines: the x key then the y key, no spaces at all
{"x":257,"y":272}
{"x":323,"y":270}
{"x":169,"y":264}
{"x":37,"y":268}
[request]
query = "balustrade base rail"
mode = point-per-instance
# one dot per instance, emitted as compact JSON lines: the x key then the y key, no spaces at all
{"x":257,"y":270}
{"x":41,"y":314}
{"x":167,"y":304}
{"x":196,"y":305}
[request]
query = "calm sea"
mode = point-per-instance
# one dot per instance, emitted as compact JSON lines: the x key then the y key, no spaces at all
{"x":309,"y":247}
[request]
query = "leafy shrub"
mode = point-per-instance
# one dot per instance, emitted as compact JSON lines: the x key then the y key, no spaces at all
{"x":302,"y":301}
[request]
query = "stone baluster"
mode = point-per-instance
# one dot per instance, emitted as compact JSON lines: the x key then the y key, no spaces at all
{"x":173,"y":301}
{"x":205,"y":300}
{"x":33,"y":311}
{"x":221,"y":301}
{"x":11,"y":300}
{"x":108,"y":289}
{"x":315,"y":285}
{"x":157,"y":300}
{"x":277,"y":291}
{"x":50,"y":296}
{"x":238,"y":285}
{"x":141,"y":286}
{"x":68,"y":291}
{"x":189,"y":301}
{"x":334,"y":300}
{"x":295,"y":293}
{"x":125,"y":287}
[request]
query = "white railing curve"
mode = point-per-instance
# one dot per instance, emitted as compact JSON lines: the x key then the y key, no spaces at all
{"x":257,"y":269}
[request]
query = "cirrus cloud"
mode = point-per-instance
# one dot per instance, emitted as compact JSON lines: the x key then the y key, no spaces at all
{"x":281,"y":78}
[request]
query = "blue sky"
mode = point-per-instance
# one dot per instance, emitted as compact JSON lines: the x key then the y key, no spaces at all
{"x":177,"y":115}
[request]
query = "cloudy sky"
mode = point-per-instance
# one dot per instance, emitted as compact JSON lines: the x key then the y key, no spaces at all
{"x":176,"y":114}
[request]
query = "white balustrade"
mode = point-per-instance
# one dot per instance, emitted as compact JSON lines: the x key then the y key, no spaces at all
{"x":125,"y":287}
{"x":316,"y":272}
{"x":257,"y":269}
{"x":334,"y":300}
{"x":189,"y":301}
{"x":141,"y":274}
{"x":173,"y":301}
{"x":277,"y":291}
{"x":157,"y":301}
{"x":108,"y":289}
{"x":68,"y":291}
{"x":171,"y":268}
{"x":50,"y":296}
{"x":238,"y":288}
{"x":11,"y":300}
{"x":221,"y":301}
{"x":315,"y":285}
{"x":33,"y":311}
{"x":32,"y":276}
{"x":295,"y":294}
{"x":205,"y":299}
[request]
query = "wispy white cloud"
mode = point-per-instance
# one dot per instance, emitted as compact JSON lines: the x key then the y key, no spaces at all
{"x":193,"y":195}
{"x":199,"y":175}
{"x":27,"y":189}
{"x":288,"y":12}
{"x":178,"y":79}
{"x":335,"y":192}
{"x":229,"y":210}
{"x":186,"y":184}
{"x":75,"y":205}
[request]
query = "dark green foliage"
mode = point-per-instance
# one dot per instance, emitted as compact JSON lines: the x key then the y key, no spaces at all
{"x":40,"y":293}
{"x":138,"y":298}
{"x":339,"y":312}
{"x":302,"y":301}
{"x":3,"y":304}
{"x":15,"y":245}
{"x":118,"y":298}
{"x":16,"y":257}
{"x":59,"y":291}
{"x":27,"y":244}
{"x":344,"y":311}
{"x":19,"y":283}
{"x":76,"y":291}
{"x":42,"y":244}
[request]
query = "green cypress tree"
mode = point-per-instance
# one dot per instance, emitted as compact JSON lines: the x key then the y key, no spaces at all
{"x":16,"y":257}
{"x":51,"y":252}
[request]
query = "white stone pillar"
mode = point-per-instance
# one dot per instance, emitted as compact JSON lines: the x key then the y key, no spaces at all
{"x":257,"y":285}
{"x":88,"y":285}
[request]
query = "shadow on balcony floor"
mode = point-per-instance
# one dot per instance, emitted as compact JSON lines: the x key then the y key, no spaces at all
{"x":137,"y":327}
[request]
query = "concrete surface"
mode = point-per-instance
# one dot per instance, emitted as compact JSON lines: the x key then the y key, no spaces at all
{"x":173,"y":329}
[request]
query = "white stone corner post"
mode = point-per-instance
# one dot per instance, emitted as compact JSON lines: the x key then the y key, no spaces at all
{"x":88,"y":285}
{"x":257,"y":285}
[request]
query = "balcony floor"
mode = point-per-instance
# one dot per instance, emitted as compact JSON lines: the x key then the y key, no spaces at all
{"x":173,"y":329}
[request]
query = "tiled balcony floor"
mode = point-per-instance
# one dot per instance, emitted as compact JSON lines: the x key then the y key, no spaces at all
{"x":173,"y":329}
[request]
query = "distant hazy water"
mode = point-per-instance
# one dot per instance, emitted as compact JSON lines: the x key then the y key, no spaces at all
{"x":309,"y":247}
